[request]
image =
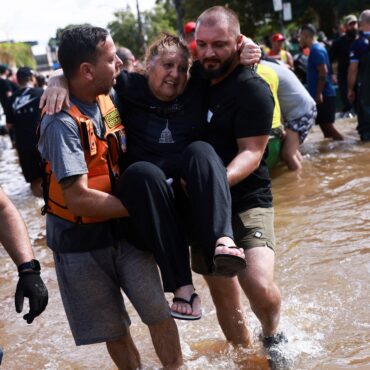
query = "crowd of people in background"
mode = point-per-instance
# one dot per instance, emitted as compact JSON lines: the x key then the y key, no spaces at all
{"x":304,"y":74}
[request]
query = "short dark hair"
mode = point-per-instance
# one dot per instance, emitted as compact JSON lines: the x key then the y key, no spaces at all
{"x":310,"y":28}
{"x":3,"y":68}
{"x":218,"y":13}
{"x":24,"y":75}
{"x":79,"y":45}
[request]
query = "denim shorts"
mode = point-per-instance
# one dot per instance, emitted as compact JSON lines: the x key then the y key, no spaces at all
{"x":90,"y":284}
{"x":252,"y":228}
{"x":303,"y":124}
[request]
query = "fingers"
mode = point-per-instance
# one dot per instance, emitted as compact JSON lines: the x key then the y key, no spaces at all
{"x":42,"y":101}
{"x":251,"y":54}
{"x":37,"y":306}
{"x":50,"y":104}
{"x":54,"y":98}
{"x":29,"y":318}
{"x":18,"y":300}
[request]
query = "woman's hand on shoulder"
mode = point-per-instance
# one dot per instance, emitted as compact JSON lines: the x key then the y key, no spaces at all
{"x":56,"y":95}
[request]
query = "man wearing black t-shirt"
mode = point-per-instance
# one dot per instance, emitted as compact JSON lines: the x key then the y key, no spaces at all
{"x":5,"y":88}
{"x":339,"y":57}
{"x":239,"y":122}
{"x":23,"y":115}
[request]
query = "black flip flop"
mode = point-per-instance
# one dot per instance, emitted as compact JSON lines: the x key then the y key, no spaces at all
{"x":181,"y":316}
{"x":228,"y":264}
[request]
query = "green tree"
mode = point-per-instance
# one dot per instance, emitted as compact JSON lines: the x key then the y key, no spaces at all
{"x":257,"y":17}
{"x":162,"y":18}
{"x":19,"y":53}
{"x":125,"y":31}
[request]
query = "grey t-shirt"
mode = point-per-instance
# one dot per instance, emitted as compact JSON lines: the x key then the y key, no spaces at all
{"x":294,"y":99}
{"x":60,"y":144}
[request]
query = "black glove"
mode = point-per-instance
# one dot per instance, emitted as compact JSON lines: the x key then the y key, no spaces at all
{"x":31,"y":285}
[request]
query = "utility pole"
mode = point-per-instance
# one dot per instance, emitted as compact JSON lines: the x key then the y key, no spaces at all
{"x":180,"y":15}
{"x":140,"y":25}
{"x":278,"y":7}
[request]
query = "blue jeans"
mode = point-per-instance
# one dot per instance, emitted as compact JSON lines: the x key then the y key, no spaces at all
{"x":1,"y":354}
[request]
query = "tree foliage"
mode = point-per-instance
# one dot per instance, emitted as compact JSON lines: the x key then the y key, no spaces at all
{"x":257,"y":15}
{"x":18,"y":53}
{"x":257,"y":18}
{"x":125,"y":31}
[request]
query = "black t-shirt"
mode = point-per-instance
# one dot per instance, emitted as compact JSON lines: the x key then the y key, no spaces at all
{"x":23,"y":111}
{"x":339,"y":52}
{"x":158,"y":131}
{"x":241,"y":106}
{"x":5,"y":88}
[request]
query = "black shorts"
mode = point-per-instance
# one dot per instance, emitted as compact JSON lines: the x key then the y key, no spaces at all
{"x":326,"y":110}
{"x":29,"y":159}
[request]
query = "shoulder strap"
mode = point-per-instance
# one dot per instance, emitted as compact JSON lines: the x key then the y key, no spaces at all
{"x":86,"y":127}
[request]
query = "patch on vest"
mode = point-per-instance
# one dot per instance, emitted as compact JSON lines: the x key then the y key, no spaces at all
{"x":112,"y":119}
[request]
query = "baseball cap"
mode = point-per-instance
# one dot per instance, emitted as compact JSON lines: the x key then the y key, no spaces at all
{"x":278,"y":37}
{"x":24,"y":72}
{"x":350,"y":19}
{"x":189,"y":27}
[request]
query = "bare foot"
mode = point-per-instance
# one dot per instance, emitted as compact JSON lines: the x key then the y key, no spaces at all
{"x":184,"y":307}
{"x":223,"y":244}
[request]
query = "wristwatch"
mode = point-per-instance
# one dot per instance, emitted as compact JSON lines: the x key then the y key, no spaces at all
{"x":33,"y":265}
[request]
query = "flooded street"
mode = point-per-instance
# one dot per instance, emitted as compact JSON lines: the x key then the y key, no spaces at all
{"x":322,"y":267}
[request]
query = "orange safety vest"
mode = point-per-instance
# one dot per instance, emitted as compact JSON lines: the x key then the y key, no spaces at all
{"x":101,"y":155}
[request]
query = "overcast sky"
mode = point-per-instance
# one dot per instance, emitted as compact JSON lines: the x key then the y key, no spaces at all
{"x":38,"y":20}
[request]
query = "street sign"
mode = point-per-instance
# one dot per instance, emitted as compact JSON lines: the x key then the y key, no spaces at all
{"x":278,"y":5}
{"x":287,"y":12}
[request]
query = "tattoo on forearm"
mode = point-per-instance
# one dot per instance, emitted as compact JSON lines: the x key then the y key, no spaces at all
{"x":69,"y":181}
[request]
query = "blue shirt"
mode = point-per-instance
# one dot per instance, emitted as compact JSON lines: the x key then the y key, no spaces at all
{"x":319,"y":55}
{"x":359,"y":47}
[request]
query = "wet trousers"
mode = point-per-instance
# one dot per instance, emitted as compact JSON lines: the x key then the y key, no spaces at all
{"x":159,"y":209}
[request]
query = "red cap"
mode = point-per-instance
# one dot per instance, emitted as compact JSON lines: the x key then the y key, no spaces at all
{"x":278,"y":37}
{"x":189,"y":27}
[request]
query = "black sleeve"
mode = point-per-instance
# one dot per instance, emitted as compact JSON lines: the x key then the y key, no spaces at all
{"x":8,"y":111}
{"x":116,"y":101}
{"x":121,"y":84}
{"x":256,"y":108}
{"x":333,"y":52}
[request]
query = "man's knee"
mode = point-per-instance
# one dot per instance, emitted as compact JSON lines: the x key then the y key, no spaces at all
{"x":260,"y":290}
{"x":199,"y":150}
{"x":141,"y":177}
{"x":143,"y":170}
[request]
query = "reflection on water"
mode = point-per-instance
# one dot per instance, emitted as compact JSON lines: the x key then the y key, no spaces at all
{"x":323,"y":266}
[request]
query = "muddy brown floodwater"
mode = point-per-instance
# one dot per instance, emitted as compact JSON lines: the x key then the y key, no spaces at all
{"x":322,"y":268}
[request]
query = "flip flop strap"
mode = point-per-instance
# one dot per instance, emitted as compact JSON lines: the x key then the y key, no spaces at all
{"x":228,"y":246}
{"x":183,"y":300}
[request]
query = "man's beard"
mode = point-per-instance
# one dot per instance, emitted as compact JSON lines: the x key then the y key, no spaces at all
{"x":212,"y":74}
{"x":351,"y":34}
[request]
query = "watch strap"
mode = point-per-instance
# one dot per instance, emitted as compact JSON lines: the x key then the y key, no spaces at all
{"x":33,"y":265}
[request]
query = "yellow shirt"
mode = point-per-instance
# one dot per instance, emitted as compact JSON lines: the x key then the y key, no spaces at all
{"x":270,"y":76}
